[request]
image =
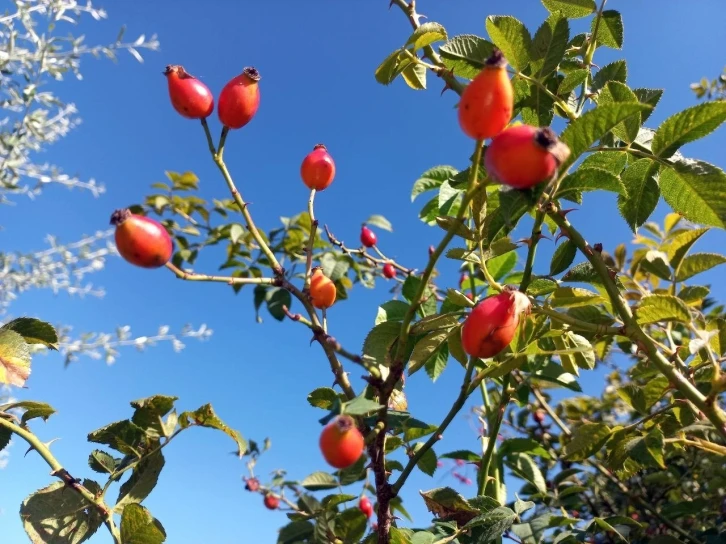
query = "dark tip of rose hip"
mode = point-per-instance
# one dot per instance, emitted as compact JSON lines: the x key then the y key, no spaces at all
{"x":168,"y":70}
{"x":252,"y":73}
{"x":545,"y":137}
{"x":510,"y":288}
{"x":119,"y":216}
{"x":345,"y":423}
{"x":496,"y":59}
{"x":320,"y":146}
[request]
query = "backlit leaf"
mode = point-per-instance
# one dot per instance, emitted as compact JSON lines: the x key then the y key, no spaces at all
{"x":687,"y":126}
{"x":610,"y":29}
{"x":426,"y":34}
{"x":642,"y":192}
{"x":655,"y":308}
{"x":14,"y":358}
{"x":549,"y":45}
{"x":138,"y":526}
{"x":466,"y":55}
{"x":697,"y":190}
{"x":34,"y":331}
{"x":586,"y":440}
{"x":572,"y":9}
{"x":512,"y":37}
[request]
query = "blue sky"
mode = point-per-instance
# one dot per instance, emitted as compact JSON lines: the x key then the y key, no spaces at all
{"x":317,"y":61}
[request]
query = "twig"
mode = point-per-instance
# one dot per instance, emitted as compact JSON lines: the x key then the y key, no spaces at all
{"x":229,"y":280}
{"x":363,"y":253}
{"x":311,"y":240}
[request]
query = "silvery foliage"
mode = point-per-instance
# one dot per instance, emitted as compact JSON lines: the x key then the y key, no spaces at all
{"x":36,"y":48}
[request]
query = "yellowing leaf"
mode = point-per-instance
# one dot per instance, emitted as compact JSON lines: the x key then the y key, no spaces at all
{"x":14,"y":358}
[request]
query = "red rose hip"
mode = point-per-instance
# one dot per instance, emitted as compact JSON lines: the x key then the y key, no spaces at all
{"x":389,"y":271}
{"x":367,"y":237}
{"x":318,"y":169}
{"x":523,"y":156}
{"x":341,"y":443}
{"x":487,"y":103}
{"x":239,"y":99}
{"x":190,"y":97}
{"x":491,"y":325}
{"x":365,"y":506}
{"x":140,"y":240}
{"x":272,"y":502}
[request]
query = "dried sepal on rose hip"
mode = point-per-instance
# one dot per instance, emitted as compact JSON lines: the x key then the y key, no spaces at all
{"x":487,"y":103}
{"x":491,"y":325}
{"x":140,"y":240}
{"x":523,"y":156}
{"x":190,"y":97}
{"x":240,"y":99}
{"x":341,"y":443}
{"x":322,"y":290}
{"x":318,"y":169}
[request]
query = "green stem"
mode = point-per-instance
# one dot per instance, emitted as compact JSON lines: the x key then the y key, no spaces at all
{"x":241,"y":204}
{"x":531,"y":250}
{"x":577,"y":323}
{"x":636,"y":333}
{"x":311,"y":240}
{"x":61,"y":473}
{"x":571,"y":115}
{"x":436,"y":436}
{"x":493,"y":433}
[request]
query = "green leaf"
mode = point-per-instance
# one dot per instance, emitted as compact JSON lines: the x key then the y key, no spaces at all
{"x":697,"y":263}
{"x":437,"y":363}
{"x":593,"y":125}
{"x":634,"y":396}
{"x":455,"y":346}
{"x":142,"y":481}
{"x":493,"y":524}
{"x":616,"y":92}
{"x":14,"y":358}
{"x":32,"y":410}
{"x":452,"y":223}
{"x":615,"y":71}
{"x":512,"y":37}
{"x":415,"y":76}
{"x":609,"y":528}
{"x":388,"y":69}
{"x":102,"y":462}
{"x":605,"y":160}
{"x":5,"y":436}
{"x":571,"y":81}
{"x":138,"y":526}
{"x":458,"y":298}
{"x":610,"y":29}
{"x":319,"y":481}
{"x":122,"y":436}
{"x":380,"y":222}
{"x":426,"y":34}
{"x":436,"y":322}
{"x":648,"y":96}
{"x":466,"y":54}
{"x":655,"y":308}
{"x":34,"y":331}
{"x":591,"y":179}
{"x":350,"y":525}
{"x":380,"y":340}
{"x":236,"y":231}
{"x":427,"y":463}
{"x":549,"y":45}
{"x":276,"y":299}
{"x":645,"y":450}
{"x":693,"y":293}
{"x":642,"y":192}
{"x":425,"y":348}
{"x":204,"y":416}
{"x":464,"y":455}
{"x":361,"y":406}
{"x":687,"y":126}
{"x":296,"y":532}
{"x":563,"y":257}
{"x":571,"y":297}
{"x":523,"y":445}
{"x":697,"y":190}
{"x":334,"y":500}
{"x":525,"y":467}
{"x":393,"y":310}
{"x":521,"y":506}
{"x":676,"y":247}
{"x":586,"y":440}
{"x":445,"y":502}
{"x":323,"y":397}
{"x":572,"y":9}
{"x":52,"y":515}
{"x":149,"y":412}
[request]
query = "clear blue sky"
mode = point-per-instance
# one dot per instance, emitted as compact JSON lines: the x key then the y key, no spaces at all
{"x":317,"y":61}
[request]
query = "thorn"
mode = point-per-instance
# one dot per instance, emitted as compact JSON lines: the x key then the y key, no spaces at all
{"x":564,"y":213}
{"x":561,"y":234}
